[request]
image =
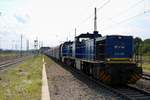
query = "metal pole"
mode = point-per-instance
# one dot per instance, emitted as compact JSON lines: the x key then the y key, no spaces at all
{"x":21,"y":46}
{"x":75,"y":32}
{"x":0,"y":43}
{"x":27,"y":46}
{"x":95,"y":20}
{"x":0,"y":37}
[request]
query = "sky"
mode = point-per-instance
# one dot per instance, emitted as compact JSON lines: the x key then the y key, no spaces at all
{"x":54,"y":21}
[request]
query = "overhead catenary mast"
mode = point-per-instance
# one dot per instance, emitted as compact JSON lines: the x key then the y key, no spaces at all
{"x":75,"y":34}
{"x":36,"y":43}
{"x":27,"y":44}
{"x":21,"y":46}
{"x":95,"y":20}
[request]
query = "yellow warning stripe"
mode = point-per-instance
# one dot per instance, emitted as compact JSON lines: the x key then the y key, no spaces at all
{"x":101,"y":73}
{"x":138,"y":77}
{"x":106,"y":78}
{"x":120,"y":59}
{"x":131,"y":80}
{"x":134,"y":78}
{"x":103,"y":76}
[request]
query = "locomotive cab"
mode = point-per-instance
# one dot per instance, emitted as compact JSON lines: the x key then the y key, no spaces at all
{"x":119,"y":48}
{"x":114,"y":48}
{"x":117,"y":54}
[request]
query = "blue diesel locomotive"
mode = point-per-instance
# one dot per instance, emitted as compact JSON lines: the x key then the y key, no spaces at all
{"x":109,"y":58}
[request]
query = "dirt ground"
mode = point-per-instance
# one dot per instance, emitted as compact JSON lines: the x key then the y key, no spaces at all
{"x":2,"y":59}
{"x":67,"y":85}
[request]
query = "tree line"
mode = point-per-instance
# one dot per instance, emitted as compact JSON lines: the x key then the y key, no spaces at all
{"x":142,"y":46}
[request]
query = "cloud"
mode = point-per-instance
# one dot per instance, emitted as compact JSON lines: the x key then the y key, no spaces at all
{"x":22,"y":18}
{"x":147,"y":18}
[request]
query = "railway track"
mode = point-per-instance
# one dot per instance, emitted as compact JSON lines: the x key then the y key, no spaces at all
{"x":8,"y":63}
{"x":132,"y":93}
{"x":127,"y":92}
{"x":146,"y":76}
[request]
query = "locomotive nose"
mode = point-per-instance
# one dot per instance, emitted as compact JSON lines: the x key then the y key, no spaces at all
{"x":124,"y":74}
{"x":118,"y":75}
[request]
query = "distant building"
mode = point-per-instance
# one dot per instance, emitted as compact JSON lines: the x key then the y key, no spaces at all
{"x":44,"y":49}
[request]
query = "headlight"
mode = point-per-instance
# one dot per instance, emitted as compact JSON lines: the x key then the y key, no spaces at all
{"x":119,"y":37}
{"x":130,"y":59}
{"x":108,"y":59}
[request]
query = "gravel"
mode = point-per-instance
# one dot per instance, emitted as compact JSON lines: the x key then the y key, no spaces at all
{"x":67,"y":85}
{"x":143,"y":84}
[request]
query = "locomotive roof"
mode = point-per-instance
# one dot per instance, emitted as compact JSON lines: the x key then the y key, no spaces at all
{"x":89,"y":35}
{"x":68,"y":42}
{"x":104,"y":37}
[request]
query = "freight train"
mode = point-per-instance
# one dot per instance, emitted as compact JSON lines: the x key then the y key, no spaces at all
{"x":109,"y":59}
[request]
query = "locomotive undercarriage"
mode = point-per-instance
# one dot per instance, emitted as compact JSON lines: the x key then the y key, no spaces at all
{"x":124,"y":73}
{"x":112,"y":74}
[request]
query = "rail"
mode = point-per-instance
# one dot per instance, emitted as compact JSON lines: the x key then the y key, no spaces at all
{"x":8,"y":63}
{"x":146,"y":76}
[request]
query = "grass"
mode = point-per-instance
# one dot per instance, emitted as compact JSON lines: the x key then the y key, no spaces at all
{"x":22,"y":82}
{"x":146,"y":58}
{"x":48,"y":61}
{"x":146,"y":63}
{"x":146,"y":67}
